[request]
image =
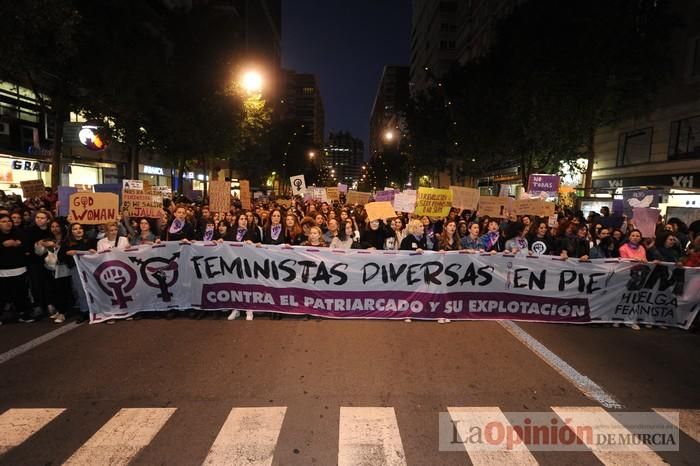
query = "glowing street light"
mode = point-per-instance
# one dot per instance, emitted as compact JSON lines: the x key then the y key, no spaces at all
{"x":389,"y":135}
{"x":252,"y":82}
{"x":312,"y":154}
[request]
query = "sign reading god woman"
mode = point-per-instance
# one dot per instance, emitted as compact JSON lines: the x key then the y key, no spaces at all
{"x":395,"y":285}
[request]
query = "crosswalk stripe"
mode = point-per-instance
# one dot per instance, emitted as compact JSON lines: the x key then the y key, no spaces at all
{"x":122,"y":437}
{"x":248,"y":437}
{"x":17,"y":425}
{"x":688,"y":420}
{"x":603,"y":423}
{"x":369,"y":436}
{"x":464,"y":417}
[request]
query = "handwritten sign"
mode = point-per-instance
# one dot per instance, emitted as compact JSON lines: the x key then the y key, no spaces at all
{"x":644,"y":219}
{"x":491,"y":206}
{"x":93,"y":208}
{"x":549,"y":184}
{"x":357,"y":197}
{"x":164,"y":191}
{"x":537,"y":207}
{"x":465,"y":198}
{"x":379,"y":210}
{"x":386,"y":195}
{"x":219,"y":196}
{"x":245,"y":194}
{"x":433,"y":202}
{"x":333,"y":194}
{"x":405,"y":201}
{"x":298,"y":183}
{"x":140,"y":204}
{"x":32,"y":188}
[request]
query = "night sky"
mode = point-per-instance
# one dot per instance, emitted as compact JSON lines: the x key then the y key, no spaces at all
{"x":346,"y":45}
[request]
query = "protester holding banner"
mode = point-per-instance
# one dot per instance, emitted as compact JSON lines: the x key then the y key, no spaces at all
{"x":540,"y":241}
{"x":516,"y":243}
{"x":315,"y":238}
{"x":243,"y":231}
{"x":472,"y":240}
{"x":449,"y":239}
{"x":493,"y":241}
{"x":274,"y":232}
{"x":292,"y":230}
{"x":577,"y":246}
{"x":346,"y":238}
{"x":112,"y":239}
{"x":331,"y":232}
{"x":75,"y":243}
{"x":665,"y":248}
{"x":374,"y":236}
{"x":57,"y":275}
{"x":634,"y":249}
{"x":415,"y":239}
{"x":144,"y":234}
{"x":38,"y":235}
{"x":179,"y":228}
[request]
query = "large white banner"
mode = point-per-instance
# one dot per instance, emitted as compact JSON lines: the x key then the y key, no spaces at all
{"x":389,"y":285}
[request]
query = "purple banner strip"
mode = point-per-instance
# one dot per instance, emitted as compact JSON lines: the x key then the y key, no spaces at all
{"x":394,"y":304}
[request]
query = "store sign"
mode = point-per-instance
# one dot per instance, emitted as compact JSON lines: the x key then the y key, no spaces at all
{"x":30,"y":165}
{"x":89,"y":138}
{"x":149,"y":170}
{"x":687,"y":180}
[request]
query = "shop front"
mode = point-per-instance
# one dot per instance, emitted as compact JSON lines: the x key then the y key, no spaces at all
{"x":156,"y":176}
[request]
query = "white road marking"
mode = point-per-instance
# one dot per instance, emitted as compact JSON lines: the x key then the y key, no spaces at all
{"x":603,"y":423}
{"x":30,"y":345}
{"x":248,"y":437}
{"x":122,"y":437}
{"x":465,"y":417}
{"x":369,"y":437}
{"x":17,"y":425}
{"x":587,"y":386}
{"x":688,"y":420}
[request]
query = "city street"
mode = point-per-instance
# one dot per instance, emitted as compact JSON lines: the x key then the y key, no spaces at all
{"x":323,"y":391}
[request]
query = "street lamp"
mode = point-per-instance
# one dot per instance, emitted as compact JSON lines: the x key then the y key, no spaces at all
{"x":389,"y":135}
{"x":312,"y":154}
{"x":252,"y":82}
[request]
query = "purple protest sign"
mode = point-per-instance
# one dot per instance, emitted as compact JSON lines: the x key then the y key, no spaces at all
{"x":64,"y":193}
{"x":387,"y":196}
{"x":543,"y":183}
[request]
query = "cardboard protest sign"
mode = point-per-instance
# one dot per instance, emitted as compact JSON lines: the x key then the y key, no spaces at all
{"x":84,"y":188}
{"x":319,"y":194}
{"x":219,"y":196}
{"x":134,"y":185}
{"x":343,"y":188}
{"x":165,"y":191}
{"x":33,"y":188}
{"x":433,"y":202}
{"x":93,"y":208}
{"x":140,"y":204}
{"x":644,"y":219}
{"x":357,"y":197}
{"x":245,"y":194}
{"x":537,"y":207}
{"x":379,"y":210}
{"x":333,"y":194}
{"x":465,"y":198}
{"x":639,"y":198}
{"x":64,"y":193}
{"x":298,"y":183}
{"x":491,"y":206}
{"x":405,"y":201}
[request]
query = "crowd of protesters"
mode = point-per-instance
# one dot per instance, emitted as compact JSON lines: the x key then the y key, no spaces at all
{"x":38,"y":277}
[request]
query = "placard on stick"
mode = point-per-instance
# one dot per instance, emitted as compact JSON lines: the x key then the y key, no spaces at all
{"x":93,"y":208}
{"x":245,"y":194}
{"x":333,"y":193}
{"x":379,"y":210}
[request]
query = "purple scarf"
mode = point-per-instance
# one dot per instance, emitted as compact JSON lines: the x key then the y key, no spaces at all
{"x":275,"y":231}
{"x":491,"y":239}
{"x":177,"y":226}
{"x":240,"y":234}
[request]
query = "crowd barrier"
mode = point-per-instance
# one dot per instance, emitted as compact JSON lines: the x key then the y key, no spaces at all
{"x":386,"y":284}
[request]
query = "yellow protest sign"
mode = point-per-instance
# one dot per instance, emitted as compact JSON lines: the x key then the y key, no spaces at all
{"x":433,"y":202}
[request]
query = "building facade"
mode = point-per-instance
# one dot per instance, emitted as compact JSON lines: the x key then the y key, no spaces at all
{"x":662,"y":147}
{"x":388,"y":110}
{"x":301,"y":101}
{"x":343,"y":157}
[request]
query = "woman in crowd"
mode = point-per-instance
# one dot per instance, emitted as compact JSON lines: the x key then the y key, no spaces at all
{"x":449,"y":239}
{"x":516,"y":243}
{"x":320,"y":220}
{"x":112,"y":239}
{"x":429,"y":231}
{"x":144,"y":235}
{"x":75,"y":243}
{"x":222,"y":232}
{"x":306,"y":224}
{"x":274,"y":232}
{"x":540,"y":241}
{"x":57,"y":274}
{"x":374,"y":236}
{"x":13,"y":272}
{"x":346,"y":237}
{"x":254,"y":226}
{"x":472,"y":240}
{"x":244,"y":232}
{"x":634,"y":249}
{"x":292,"y":230}
{"x":415,"y":237}
{"x":665,"y":248}
{"x":493,"y":241}
{"x":577,"y":246}
{"x":331,"y":230}
{"x":179,"y":228}
{"x":315,"y":238}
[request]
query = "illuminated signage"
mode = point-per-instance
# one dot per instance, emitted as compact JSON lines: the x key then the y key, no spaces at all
{"x":89,"y":138}
{"x":149,"y":170}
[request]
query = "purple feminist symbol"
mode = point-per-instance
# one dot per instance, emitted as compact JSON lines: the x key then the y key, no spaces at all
{"x":116,"y":279}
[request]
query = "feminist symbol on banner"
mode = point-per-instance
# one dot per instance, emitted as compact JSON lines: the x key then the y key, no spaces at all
{"x":116,"y":279}
{"x":297,"y":184}
{"x":161,"y":277}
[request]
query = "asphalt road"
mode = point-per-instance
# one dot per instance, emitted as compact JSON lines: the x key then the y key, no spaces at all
{"x":315,"y":389}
